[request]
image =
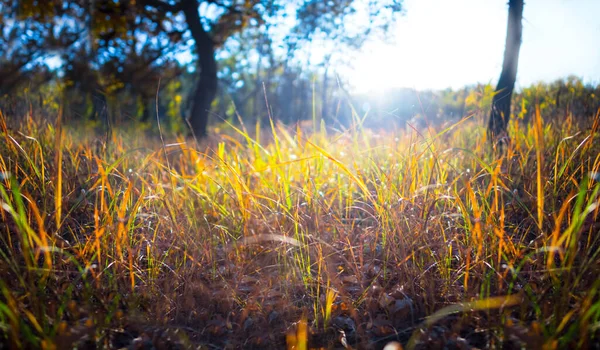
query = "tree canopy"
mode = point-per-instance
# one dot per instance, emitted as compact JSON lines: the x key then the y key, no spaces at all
{"x":127,"y":43}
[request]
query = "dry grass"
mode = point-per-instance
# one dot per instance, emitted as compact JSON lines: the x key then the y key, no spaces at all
{"x":304,"y":240}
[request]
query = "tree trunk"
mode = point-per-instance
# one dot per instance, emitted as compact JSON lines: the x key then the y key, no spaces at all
{"x":206,"y":86}
{"x":500,"y":114}
{"x":145,"y":110}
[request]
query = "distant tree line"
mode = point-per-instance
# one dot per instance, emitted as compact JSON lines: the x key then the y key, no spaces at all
{"x":568,"y":97}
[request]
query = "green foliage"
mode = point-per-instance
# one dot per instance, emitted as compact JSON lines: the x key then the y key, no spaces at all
{"x":480,"y":98}
{"x":114,"y":53}
{"x":559,"y":99}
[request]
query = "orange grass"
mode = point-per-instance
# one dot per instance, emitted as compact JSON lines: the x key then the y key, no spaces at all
{"x":356,"y":238}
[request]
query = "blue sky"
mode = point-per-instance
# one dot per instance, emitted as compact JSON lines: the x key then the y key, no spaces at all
{"x":451,"y":43}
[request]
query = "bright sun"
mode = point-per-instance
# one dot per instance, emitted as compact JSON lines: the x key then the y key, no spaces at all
{"x":432,"y":49}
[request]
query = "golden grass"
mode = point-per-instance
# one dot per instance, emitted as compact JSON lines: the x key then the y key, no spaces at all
{"x":352,"y":238}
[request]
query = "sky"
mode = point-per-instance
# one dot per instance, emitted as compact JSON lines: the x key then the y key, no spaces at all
{"x":451,"y":43}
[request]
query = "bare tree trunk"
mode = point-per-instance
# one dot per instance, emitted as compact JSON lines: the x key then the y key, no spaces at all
{"x":206,"y":86}
{"x":500,"y":114}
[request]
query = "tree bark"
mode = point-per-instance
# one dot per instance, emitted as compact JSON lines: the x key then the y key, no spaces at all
{"x":206,"y":86}
{"x":500,"y":113}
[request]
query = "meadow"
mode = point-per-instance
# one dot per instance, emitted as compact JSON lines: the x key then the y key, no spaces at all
{"x":273,"y":236}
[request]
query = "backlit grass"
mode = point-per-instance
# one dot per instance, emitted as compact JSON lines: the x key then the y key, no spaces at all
{"x":284,"y":237}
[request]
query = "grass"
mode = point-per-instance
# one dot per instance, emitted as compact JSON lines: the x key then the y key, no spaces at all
{"x":287,"y":238}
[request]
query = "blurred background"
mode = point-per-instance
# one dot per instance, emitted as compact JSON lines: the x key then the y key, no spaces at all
{"x":193,"y":63}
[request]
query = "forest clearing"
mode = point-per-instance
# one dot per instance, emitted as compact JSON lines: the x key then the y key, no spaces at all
{"x":281,"y":174}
